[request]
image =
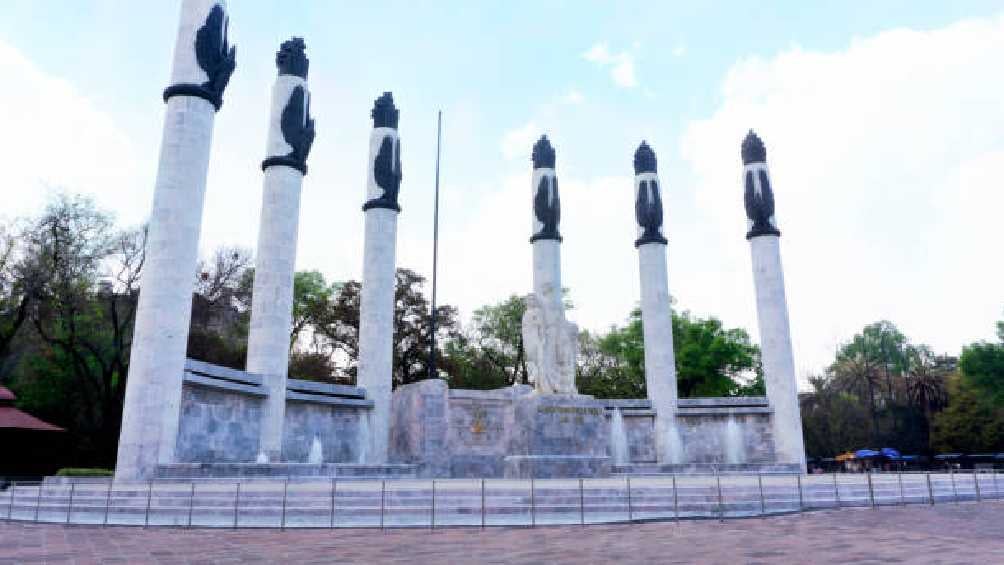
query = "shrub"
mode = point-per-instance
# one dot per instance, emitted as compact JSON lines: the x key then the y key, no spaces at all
{"x":78,"y":472}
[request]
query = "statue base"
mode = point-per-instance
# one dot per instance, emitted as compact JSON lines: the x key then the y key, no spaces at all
{"x":558,"y":436}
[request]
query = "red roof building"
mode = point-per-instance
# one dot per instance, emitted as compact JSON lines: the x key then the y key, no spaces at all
{"x":12,"y":418}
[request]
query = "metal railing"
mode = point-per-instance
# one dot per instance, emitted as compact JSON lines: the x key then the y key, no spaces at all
{"x":333,"y":503}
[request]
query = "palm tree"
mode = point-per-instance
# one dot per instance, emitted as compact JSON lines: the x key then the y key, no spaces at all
{"x":858,"y":374}
{"x":926,"y":381}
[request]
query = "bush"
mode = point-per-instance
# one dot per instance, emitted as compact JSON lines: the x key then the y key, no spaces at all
{"x":78,"y":472}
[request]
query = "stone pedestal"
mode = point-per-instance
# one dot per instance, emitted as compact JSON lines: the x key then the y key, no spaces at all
{"x":558,"y":436}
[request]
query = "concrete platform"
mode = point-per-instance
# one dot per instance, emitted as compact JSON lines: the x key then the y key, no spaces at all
{"x":654,"y":469}
{"x":280,"y":470}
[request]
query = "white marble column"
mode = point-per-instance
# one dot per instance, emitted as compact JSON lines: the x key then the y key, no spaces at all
{"x":772,"y":306}
{"x":550,"y":341}
{"x":657,"y":321}
{"x":156,"y":365}
{"x":376,"y":302}
{"x":291,"y":132}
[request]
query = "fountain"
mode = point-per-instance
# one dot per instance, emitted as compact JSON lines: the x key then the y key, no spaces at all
{"x":262,"y":458}
{"x":735,"y":449}
{"x":316,"y":455}
{"x":363,"y":439}
{"x":673,"y":444}
{"x":618,"y":439}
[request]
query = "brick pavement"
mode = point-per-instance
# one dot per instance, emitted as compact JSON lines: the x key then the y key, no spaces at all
{"x":951,"y":533}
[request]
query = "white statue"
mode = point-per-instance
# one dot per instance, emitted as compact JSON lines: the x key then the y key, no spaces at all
{"x":551,"y":345}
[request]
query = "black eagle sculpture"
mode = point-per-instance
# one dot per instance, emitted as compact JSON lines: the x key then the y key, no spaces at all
{"x":387,"y":164}
{"x":648,"y":203}
{"x":292,"y":58}
{"x":215,"y":57}
{"x":297,"y":129}
{"x":759,"y":203}
{"x":295,"y":122}
{"x":546,"y":200}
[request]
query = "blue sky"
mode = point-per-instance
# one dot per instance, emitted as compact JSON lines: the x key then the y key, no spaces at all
{"x":876,"y":212}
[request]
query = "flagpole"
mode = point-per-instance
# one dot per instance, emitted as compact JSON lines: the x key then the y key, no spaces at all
{"x":435,"y":249}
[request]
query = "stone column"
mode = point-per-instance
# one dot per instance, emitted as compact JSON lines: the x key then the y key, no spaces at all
{"x":203,"y":63}
{"x":550,"y":341}
{"x":772,"y":306}
{"x":656,"y":315}
{"x":290,"y":135}
{"x":376,"y":303}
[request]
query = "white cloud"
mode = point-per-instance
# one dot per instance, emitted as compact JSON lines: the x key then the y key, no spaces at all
{"x":56,"y":139}
{"x":886,"y":164}
{"x":518,"y":141}
{"x":621,"y":64}
{"x":573,"y":96}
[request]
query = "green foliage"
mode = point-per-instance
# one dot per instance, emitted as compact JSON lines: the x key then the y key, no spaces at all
{"x":84,"y":472}
{"x":982,"y":366}
{"x":490,"y":354}
{"x":329,"y":315}
{"x":971,"y":423}
{"x":711,"y":360}
{"x":880,"y":391}
{"x":832,"y":418}
{"x":609,"y":365}
{"x":312,"y":303}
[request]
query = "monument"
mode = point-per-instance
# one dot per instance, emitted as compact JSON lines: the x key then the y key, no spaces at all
{"x":184,"y":418}
{"x":657,"y":323}
{"x":376,"y":310}
{"x":203,"y":63}
{"x":290,"y":136}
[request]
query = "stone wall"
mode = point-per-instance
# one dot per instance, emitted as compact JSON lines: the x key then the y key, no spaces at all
{"x":706,"y":439}
{"x":640,"y":431}
{"x":452,"y":433}
{"x":221,"y":423}
{"x":336,"y":427}
{"x":218,"y":425}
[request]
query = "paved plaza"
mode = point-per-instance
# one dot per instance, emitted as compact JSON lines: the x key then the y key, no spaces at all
{"x":951,"y":533}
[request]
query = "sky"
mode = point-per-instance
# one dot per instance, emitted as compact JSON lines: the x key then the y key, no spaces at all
{"x":884,"y":124}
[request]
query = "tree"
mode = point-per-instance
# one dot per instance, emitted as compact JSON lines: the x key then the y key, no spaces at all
{"x":221,"y":308}
{"x":927,"y":383}
{"x":982,"y":366}
{"x":831,"y":419}
{"x":312,"y":297}
{"x":710,"y":360}
{"x":338,"y":324}
{"x":16,"y":291}
{"x":900,"y":386}
{"x":612,"y":365}
{"x":490,"y":352}
{"x":973,"y":420}
{"x":971,"y":423}
{"x":83,"y":304}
